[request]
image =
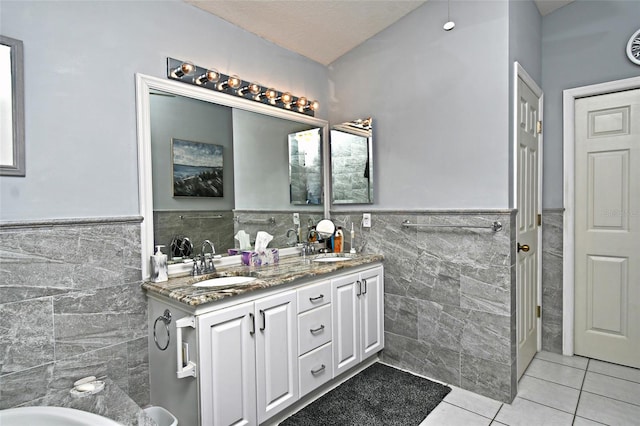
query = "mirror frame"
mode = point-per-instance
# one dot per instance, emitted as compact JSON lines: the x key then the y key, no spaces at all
{"x":17,"y":167}
{"x":146,"y":83}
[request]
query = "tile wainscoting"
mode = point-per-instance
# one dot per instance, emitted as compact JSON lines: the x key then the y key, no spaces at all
{"x":71,"y":306}
{"x":449,"y":296}
{"x":552,"y":231}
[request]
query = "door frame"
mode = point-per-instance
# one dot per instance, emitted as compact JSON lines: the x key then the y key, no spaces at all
{"x":569,"y":97}
{"x":520,"y":73}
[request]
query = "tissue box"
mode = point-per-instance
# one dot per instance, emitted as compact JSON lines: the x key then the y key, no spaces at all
{"x":252,"y":258}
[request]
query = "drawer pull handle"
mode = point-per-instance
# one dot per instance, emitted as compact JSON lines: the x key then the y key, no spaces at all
{"x":319,"y":370}
{"x":313,"y":299}
{"x":317,"y":330}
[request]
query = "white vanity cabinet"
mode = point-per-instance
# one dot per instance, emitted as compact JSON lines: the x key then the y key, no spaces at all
{"x":358,"y":317}
{"x":249,"y":361}
{"x":248,"y":356}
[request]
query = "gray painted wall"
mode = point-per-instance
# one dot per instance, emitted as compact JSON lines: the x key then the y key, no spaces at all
{"x":583,"y":43}
{"x":80,"y":60}
{"x":440,"y":106}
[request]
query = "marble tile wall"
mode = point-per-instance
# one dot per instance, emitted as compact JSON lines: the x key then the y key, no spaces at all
{"x":449,"y":296}
{"x":71,"y":306}
{"x":252,"y":221}
{"x":197,"y":226}
{"x":552,"y":230}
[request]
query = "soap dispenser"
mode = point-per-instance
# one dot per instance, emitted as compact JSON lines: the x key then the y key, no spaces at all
{"x":159,"y":267}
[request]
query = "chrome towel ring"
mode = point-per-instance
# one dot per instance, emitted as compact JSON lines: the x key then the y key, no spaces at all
{"x":166,"y":319}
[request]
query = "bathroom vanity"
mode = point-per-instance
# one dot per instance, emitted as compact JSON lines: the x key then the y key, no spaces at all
{"x":242,"y":353}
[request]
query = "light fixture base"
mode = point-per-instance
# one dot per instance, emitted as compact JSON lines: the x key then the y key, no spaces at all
{"x":449,"y":25}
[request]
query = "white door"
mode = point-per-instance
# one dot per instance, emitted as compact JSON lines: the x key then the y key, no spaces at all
{"x":346,"y":336}
{"x":528,"y":197}
{"x":227,"y":367}
{"x":607,"y":227}
{"x":276,"y":353}
{"x":371,"y":312}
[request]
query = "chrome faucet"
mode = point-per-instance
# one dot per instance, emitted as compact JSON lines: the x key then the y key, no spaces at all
{"x":294,"y":232}
{"x":205,"y":265}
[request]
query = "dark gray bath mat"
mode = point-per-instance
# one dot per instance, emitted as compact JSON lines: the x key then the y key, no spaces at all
{"x":380,"y":395}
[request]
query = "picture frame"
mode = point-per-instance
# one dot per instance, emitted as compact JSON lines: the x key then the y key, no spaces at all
{"x":197,"y":168}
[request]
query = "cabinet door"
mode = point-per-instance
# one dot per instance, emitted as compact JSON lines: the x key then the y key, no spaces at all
{"x":371,"y":312}
{"x":276,"y":353}
{"x":227,"y":367}
{"x":346,"y":339}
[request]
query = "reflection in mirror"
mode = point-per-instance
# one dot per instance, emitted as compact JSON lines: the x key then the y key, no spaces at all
{"x":305,"y":167}
{"x":11,"y":108}
{"x":255,"y":177}
{"x":197,"y":218}
{"x":352,"y":162}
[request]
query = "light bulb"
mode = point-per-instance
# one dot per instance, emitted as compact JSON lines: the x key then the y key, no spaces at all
{"x":271,"y":94}
{"x":301,"y":103}
{"x":449,"y":25}
{"x":287,"y":98}
{"x":186,"y":68}
{"x":254,"y":88}
{"x":211,"y":75}
{"x":315,"y":105}
{"x":235,"y":81}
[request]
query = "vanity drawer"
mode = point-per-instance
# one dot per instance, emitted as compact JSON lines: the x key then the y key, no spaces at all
{"x":314,"y":329}
{"x":316,"y":369}
{"x":313,"y":296}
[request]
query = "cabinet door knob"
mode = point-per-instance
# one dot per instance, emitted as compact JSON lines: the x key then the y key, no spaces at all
{"x":524,"y":248}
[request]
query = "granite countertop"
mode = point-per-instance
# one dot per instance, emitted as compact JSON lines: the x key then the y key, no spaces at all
{"x":111,"y":402}
{"x":289,"y":269}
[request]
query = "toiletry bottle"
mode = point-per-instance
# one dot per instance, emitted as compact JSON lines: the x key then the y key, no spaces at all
{"x":159,"y":268}
{"x":353,"y":235}
{"x":338,"y":241}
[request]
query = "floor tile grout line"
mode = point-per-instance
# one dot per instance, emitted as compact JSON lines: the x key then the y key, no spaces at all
{"x":614,"y":377}
{"x":545,"y":405}
{"x":466,"y":409}
{"x":584,"y":378}
{"x":564,"y":365}
{"x":613,"y":399}
{"x":549,"y":381}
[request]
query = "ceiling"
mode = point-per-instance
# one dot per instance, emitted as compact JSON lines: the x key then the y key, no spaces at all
{"x":322,"y":30}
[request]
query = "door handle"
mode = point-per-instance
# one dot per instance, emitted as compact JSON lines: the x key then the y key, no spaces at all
{"x":264,"y":320}
{"x":359,"y":288}
{"x":253,"y":322}
{"x":524,"y":248}
{"x":365,"y":286}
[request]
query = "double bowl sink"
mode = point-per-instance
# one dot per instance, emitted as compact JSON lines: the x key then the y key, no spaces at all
{"x":226,"y":279}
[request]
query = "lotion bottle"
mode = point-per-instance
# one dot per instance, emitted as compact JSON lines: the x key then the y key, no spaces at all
{"x":159,"y":268}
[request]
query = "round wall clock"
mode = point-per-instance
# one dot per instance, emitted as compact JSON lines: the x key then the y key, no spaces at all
{"x":633,"y":48}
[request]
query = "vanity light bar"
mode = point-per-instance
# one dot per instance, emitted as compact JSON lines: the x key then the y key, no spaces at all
{"x":212,"y":79}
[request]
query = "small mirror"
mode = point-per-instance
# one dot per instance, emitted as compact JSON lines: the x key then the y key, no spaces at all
{"x":352,"y":162}
{"x":11,"y":108}
{"x":305,"y":167}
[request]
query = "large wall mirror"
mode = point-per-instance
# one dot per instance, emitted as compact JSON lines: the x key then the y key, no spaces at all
{"x":352,"y":162}
{"x":12,"y":161}
{"x":247,"y":143}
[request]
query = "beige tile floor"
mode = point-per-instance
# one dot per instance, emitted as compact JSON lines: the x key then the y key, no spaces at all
{"x":555,"y":390}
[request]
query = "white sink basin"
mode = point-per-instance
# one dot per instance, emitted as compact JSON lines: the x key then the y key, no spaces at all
{"x":331,"y":259}
{"x":224,"y":281}
{"x":52,"y":416}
